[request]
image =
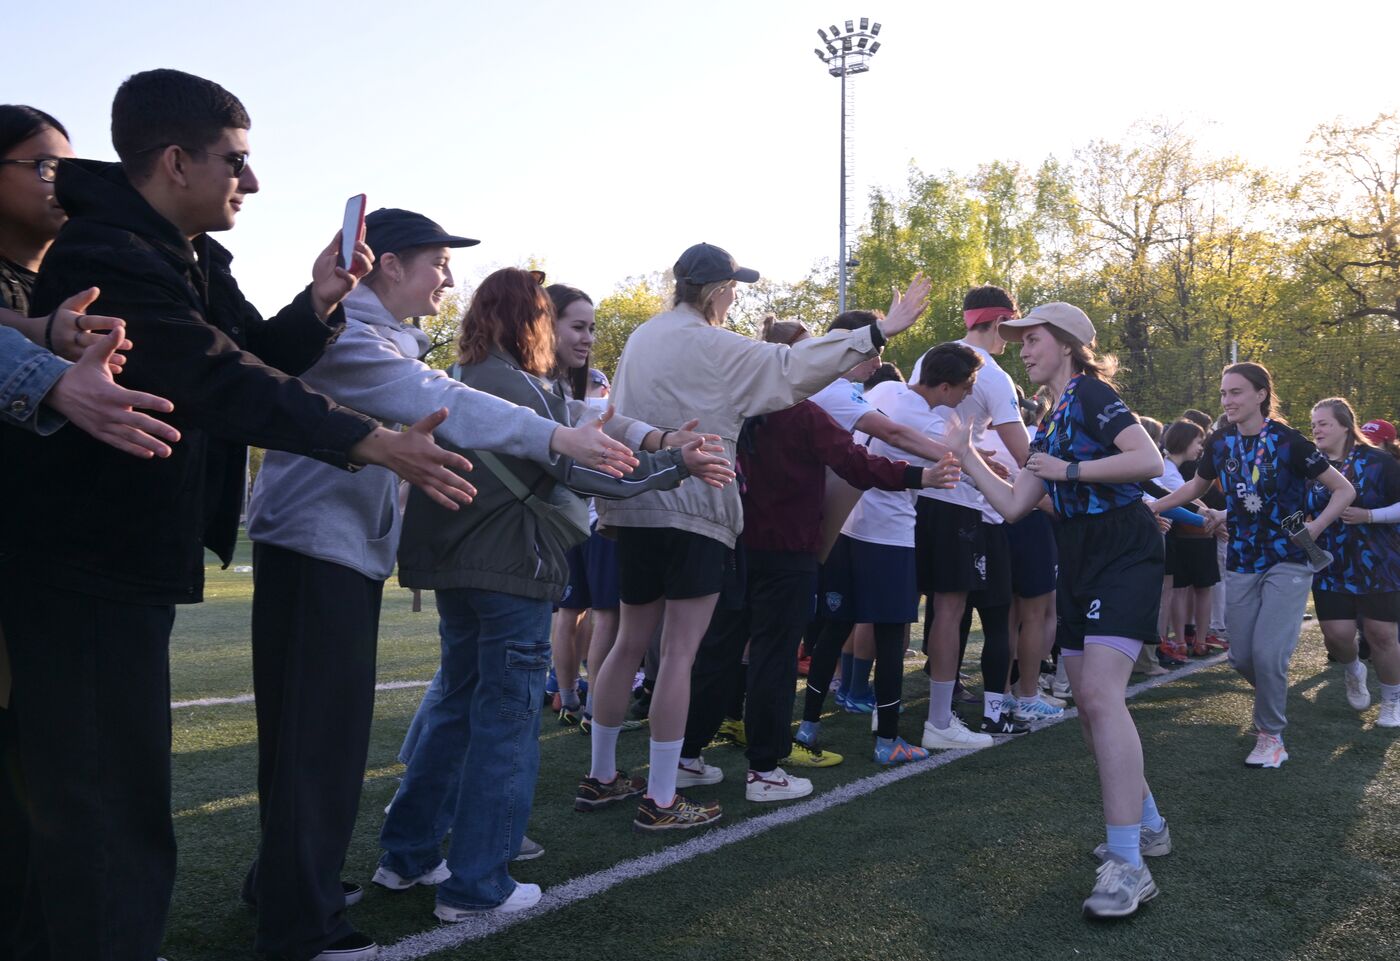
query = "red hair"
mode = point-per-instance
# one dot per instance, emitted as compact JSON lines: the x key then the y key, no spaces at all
{"x":510,"y":311}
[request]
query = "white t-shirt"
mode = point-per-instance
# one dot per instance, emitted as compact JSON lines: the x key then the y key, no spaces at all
{"x":882,"y":393}
{"x":991,"y":404}
{"x":1002,"y":456}
{"x":844,"y":401}
{"x":887,"y":517}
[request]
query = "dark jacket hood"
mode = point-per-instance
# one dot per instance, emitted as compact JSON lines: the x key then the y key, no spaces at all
{"x":98,"y":191}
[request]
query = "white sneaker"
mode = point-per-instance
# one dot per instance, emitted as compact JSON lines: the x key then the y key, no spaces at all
{"x":524,"y":897}
{"x":701,"y":773}
{"x":1054,"y":701}
{"x":954,"y":737}
{"x":776,"y":785}
{"x":1268,"y":752}
{"x":1036,"y":709}
{"x":1061,"y":689}
{"x":1358,"y":696}
{"x":394,"y":881}
{"x":1390,"y":713}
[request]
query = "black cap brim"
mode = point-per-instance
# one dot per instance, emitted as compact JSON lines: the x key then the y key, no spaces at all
{"x":745,"y":274}
{"x":450,"y":241}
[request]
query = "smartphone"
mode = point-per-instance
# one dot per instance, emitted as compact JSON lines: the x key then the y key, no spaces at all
{"x":353,"y":230}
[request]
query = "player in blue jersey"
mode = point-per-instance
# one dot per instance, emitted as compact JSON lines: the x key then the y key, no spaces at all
{"x":1091,"y":456}
{"x":1265,"y":468}
{"x":1364,"y":579}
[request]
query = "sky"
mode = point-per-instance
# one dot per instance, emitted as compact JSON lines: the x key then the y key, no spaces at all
{"x":603,"y":139}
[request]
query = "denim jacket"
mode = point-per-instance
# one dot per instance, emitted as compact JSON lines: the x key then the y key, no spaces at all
{"x":27,"y":374}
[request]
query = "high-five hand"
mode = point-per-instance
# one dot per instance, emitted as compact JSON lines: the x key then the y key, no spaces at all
{"x":416,"y":457}
{"x":907,"y":307}
{"x":589,"y":446}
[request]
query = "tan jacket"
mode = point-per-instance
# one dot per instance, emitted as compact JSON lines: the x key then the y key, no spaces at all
{"x":676,"y":367}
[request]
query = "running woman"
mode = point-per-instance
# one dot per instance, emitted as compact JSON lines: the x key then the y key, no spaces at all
{"x":1364,"y":579}
{"x":1265,"y":467}
{"x":1092,"y":456}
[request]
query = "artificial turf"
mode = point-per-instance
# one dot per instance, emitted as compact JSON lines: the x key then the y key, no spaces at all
{"x":987,"y":857}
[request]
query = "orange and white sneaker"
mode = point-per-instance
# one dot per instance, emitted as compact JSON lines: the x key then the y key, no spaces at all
{"x":1268,"y":751}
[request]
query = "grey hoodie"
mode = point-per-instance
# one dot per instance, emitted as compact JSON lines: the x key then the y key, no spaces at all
{"x":373,"y":367}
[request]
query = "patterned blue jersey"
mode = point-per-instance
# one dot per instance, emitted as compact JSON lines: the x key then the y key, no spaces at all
{"x":1265,"y":479}
{"x":1367,"y":555}
{"x":1082,"y":428}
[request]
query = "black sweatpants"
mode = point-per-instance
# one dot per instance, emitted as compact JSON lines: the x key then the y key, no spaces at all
{"x":91,"y":702}
{"x":889,"y":672}
{"x":777,"y":605}
{"x":315,"y":627}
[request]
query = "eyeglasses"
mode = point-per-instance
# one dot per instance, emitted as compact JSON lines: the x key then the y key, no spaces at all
{"x":238,"y":162}
{"x":47,"y":169}
{"x":537,"y":275}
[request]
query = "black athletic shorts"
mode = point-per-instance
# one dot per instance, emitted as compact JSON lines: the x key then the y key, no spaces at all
{"x":1337,"y":606}
{"x":1111,"y":569}
{"x":1034,"y":556}
{"x":657,"y":562}
{"x":1191,"y":561}
{"x":950,"y":545}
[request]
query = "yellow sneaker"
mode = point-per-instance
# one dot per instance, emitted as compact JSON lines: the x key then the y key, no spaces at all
{"x":804,"y":756}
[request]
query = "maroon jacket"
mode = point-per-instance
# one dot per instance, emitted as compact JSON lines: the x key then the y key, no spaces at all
{"x":782,"y":461}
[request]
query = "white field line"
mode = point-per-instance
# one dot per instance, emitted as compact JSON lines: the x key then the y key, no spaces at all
{"x":590,"y":885}
{"x":248,"y":698}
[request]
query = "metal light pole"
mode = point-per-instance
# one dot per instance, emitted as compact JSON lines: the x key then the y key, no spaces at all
{"x":846,"y":55}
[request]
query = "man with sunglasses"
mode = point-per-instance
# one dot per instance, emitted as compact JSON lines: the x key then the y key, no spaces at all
{"x":107,"y":544}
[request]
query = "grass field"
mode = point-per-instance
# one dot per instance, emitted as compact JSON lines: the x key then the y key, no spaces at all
{"x":986,"y":856}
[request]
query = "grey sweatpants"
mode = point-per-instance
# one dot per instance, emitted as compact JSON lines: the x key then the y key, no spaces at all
{"x":1263,"y":614}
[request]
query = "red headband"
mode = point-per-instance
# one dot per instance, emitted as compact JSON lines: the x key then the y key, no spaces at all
{"x":985,"y":315}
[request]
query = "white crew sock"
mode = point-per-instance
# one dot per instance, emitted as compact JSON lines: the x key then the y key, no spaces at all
{"x":604,"y":744}
{"x":665,"y":758}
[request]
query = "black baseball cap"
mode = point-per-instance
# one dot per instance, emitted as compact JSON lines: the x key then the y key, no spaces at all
{"x":708,"y":264}
{"x":390,"y":231}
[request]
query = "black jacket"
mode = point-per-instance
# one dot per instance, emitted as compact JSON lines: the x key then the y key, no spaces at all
{"x":81,"y":515}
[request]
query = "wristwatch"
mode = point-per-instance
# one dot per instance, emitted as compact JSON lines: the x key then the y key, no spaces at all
{"x":1072,"y":473}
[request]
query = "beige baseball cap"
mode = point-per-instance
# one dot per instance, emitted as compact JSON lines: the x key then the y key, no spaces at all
{"x":1067,"y":317}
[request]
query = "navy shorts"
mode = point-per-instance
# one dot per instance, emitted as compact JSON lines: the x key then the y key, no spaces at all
{"x":600,"y":559}
{"x":1111,"y":570}
{"x":577,"y":596}
{"x":1035,"y":558}
{"x":1191,"y":561}
{"x":866,"y":583}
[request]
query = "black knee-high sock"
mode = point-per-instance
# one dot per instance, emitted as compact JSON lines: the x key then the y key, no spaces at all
{"x":889,"y":676}
{"x":824,"y":657}
{"x":996,"y":647}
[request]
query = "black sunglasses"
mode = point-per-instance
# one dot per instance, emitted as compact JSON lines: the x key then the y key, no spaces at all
{"x":238,"y":162}
{"x":47,"y":169}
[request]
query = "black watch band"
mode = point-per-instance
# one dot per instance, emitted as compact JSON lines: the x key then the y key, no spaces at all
{"x":1072,"y":473}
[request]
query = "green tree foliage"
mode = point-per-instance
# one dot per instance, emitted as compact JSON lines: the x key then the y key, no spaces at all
{"x":1183,"y":260}
{"x":623,"y":311}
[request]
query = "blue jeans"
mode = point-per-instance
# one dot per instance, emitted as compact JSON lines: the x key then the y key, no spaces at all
{"x":481,"y":738}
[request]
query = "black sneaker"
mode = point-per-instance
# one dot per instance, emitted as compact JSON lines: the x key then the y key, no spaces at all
{"x":353,"y":894}
{"x":353,"y":947}
{"x":594,"y":794}
{"x":1006,"y":725}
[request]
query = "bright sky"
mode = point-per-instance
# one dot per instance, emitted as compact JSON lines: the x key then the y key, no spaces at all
{"x":605,"y":138}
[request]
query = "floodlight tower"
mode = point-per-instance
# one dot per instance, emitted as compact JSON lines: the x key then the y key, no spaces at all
{"x":847,"y":54}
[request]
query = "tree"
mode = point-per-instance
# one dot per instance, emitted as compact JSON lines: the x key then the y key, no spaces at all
{"x":623,"y":311}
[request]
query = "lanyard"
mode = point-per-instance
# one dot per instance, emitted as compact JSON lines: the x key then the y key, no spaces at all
{"x":1251,"y":501}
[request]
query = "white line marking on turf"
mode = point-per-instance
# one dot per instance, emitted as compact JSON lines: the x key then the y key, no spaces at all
{"x":248,"y":698}
{"x":591,"y":885}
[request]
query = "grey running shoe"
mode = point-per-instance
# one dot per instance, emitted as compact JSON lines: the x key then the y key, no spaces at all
{"x":1154,"y":844}
{"x":529,"y":850}
{"x":1119,"y":889}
